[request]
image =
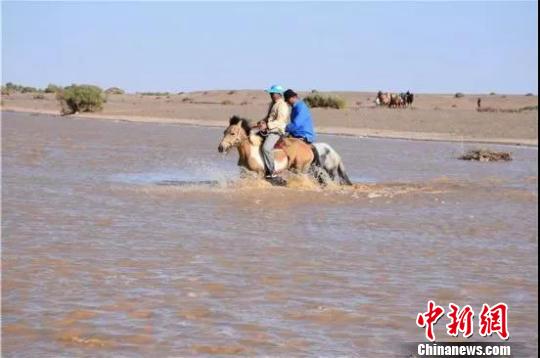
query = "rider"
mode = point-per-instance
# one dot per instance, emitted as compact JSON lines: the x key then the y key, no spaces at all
{"x":301,"y":125}
{"x":273,"y":127}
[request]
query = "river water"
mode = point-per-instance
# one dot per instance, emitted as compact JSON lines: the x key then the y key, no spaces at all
{"x":129,"y":239}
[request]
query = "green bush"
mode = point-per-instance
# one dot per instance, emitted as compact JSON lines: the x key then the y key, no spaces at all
{"x":317,"y":100}
{"x":52,"y":88}
{"x":27,"y":89}
{"x":114,"y":90}
{"x":11,"y":87}
{"x":81,"y":98}
{"x":459,"y":95}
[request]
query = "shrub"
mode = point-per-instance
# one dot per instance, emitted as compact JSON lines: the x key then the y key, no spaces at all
{"x":231,"y":92}
{"x":529,"y":108}
{"x":27,"y":89}
{"x":484,"y":155}
{"x":81,"y":98}
{"x":317,"y":100}
{"x":529,"y":95}
{"x":227,"y":102}
{"x":5,"y":91}
{"x":39,"y":96}
{"x":52,"y":88}
{"x":22,"y":89}
{"x":115,"y":90}
{"x":244,"y":103}
{"x":11,"y":87}
{"x":459,"y":95}
{"x":492,"y":93}
{"x":187,"y":100}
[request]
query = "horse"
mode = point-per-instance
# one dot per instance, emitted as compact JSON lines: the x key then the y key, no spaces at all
{"x":291,"y":154}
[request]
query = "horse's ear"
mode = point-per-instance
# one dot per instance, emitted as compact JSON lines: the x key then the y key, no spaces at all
{"x":246,"y":126}
{"x":234,"y":120}
{"x":243,"y":123}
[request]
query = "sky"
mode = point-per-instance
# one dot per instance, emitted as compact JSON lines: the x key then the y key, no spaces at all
{"x":435,"y":47}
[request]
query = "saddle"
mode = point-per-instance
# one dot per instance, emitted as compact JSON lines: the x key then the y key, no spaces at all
{"x":280,"y":144}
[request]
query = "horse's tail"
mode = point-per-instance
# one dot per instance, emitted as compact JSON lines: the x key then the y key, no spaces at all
{"x":343,"y":174}
{"x":316,"y":159}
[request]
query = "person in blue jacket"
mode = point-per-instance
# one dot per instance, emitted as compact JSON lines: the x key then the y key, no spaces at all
{"x":301,"y":125}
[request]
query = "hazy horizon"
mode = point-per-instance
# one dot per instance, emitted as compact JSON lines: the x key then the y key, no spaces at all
{"x":477,"y":47}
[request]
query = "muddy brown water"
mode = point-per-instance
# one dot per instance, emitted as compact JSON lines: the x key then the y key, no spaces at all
{"x":129,"y":239}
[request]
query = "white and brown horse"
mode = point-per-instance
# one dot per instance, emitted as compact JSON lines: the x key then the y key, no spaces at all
{"x":293,"y":154}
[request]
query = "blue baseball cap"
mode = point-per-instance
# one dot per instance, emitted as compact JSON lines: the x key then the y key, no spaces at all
{"x":275,"y":89}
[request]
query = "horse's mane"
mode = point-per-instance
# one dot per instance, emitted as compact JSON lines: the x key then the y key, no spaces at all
{"x":244,"y":123}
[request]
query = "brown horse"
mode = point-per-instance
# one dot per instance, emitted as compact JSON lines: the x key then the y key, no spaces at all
{"x":293,"y":154}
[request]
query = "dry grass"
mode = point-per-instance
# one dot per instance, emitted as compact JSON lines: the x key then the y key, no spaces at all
{"x":485,"y":155}
{"x":321,"y":101}
{"x":508,"y":110}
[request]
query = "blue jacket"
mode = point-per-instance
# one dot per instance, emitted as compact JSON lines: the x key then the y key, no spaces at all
{"x":301,"y":125}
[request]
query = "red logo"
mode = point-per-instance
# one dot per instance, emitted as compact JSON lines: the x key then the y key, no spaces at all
{"x":461,"y":320}
{"x":429,"y":318}
{"x":494,"y":320}
{"x":491,"y":320}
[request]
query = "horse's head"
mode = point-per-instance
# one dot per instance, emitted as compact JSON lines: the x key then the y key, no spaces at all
{"x":237,"y":131}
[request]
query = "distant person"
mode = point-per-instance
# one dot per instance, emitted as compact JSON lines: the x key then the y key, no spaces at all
{"x":410,"y":98}
{"x":301,"y":125}
{"x":272,"y":127}
{"x":479,"y":103}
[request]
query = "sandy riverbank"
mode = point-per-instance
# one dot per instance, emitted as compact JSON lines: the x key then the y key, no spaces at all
{"x":433,"y":117}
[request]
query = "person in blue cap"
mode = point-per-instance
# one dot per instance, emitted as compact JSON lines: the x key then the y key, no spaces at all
{"x":301,"y":125}
{"x":273,"y":127}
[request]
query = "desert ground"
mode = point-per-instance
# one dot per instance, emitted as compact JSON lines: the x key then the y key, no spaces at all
{"x":432,"y":116}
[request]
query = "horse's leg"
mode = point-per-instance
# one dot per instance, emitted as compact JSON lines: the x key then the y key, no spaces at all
{"x":320,"y":175}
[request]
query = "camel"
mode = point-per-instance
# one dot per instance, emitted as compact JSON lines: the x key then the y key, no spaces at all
{"x":383,"y":99}
{"x":396,"y":101}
